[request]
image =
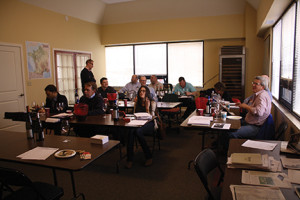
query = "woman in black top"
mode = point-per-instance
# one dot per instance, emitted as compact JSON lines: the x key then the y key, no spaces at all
{"x":144,"y":103}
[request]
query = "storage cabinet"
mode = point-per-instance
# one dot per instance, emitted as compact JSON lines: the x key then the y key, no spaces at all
{"x":232,"y":70}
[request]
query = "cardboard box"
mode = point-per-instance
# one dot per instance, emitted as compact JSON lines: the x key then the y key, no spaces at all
{"x":99,"y":139}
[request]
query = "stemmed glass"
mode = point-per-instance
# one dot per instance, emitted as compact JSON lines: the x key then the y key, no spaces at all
{"x":61,"y":106}
{"x":58,"y":106}
{"x":33,"y":105}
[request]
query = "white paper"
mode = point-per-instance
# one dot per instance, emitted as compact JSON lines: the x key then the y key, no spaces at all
{"x":137,"y":122}
{"x":200,"y":120}
{"x":291,"y":163}
{"x":143,"y":115}
{"x":52,"y":120}
{"x":63,"y":115}
{"x":294,"y":176}
{"x":221,"y":126}
{"x":259,"y":145}
{"x":38,"y":153}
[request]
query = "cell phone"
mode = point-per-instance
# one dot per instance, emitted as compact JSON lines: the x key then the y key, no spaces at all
{"x":297,"y":190}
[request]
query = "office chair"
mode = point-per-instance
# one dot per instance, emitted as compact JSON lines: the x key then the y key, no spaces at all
{"x":173,"y":111}
{"x":14,"y":185}
{"x":279,"y":134}
{"x":267,"y":131}
{"x":205,"y":162}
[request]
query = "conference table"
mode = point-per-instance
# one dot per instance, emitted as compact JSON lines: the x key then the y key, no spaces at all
{"x":13,"y":144}
{"x":233,"y":176}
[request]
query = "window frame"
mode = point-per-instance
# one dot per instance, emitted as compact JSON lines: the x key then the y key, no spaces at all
{"x":164,"y":77}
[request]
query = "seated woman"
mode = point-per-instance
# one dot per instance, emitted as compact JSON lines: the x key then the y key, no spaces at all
{"x":144,"y":103}
{"x":221,"y":90}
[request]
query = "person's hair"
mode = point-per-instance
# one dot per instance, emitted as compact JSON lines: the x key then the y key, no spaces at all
{"x":181,"y":79}
{"x":51,"y":88}
{"x":139,"y":100}
{"x":142,"y":77}
{"x":88,"y":61}
{"x":263,"y":81}
{"x":219,"y":86}
{"x":93,"y":84}
{"x":103,"y":79}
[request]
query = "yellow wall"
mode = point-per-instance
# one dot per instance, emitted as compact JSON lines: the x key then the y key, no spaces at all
{"x":254,"y":49}
{"x":262,"y":12}
{"x":21,"y":22}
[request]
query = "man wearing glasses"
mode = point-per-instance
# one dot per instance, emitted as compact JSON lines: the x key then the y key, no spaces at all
{"x":258,"y":110}
{"x":86,"y":74}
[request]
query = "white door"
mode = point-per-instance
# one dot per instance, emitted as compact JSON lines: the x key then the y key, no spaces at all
{"x":12,"y":97}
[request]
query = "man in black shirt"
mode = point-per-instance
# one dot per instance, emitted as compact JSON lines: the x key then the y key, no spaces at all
{"x":54,"y":98}
{"x":86,"y":74}
{"x":104,"y":89}
{"x":221,"y":90}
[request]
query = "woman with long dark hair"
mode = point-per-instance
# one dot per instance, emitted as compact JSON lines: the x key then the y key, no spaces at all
{"x":144,"y":103}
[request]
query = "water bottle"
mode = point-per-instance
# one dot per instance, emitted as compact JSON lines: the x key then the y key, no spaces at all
{"x":40,"y":133}
{"x":115,"y":112}
{"x":76,"y":96}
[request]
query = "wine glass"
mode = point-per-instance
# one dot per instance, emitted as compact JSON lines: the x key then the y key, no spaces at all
{"x":61,"y":106}
{"x":58,"y":105}
{"x":33,"y":105}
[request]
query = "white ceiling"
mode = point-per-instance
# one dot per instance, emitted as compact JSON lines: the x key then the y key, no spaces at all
{"x":123,"y":11}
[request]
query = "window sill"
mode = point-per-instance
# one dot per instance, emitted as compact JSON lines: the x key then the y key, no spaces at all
{"x":287,"y":114}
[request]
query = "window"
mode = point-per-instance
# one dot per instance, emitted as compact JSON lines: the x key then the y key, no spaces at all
{"x":168,"y":61}
{"x":285,"y":60}
{"x":68,"y":66}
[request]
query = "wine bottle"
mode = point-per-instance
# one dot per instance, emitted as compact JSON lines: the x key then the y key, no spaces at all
{"x":29,"y":124}
{"x":40,"y":133}
{"x":76,"y":96}
{"x":115,"y":112}
{"x":208,"y":106}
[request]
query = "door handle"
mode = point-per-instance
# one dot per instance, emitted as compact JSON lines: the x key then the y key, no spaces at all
{"x":21,"y":95}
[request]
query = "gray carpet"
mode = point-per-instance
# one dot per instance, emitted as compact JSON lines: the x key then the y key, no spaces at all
{"x":167,"y":178}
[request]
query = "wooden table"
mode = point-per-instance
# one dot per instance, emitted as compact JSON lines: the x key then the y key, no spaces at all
{"x":13,"y":144}
{"x":233,"y":176}
{"x":167,"y":105}
{"x":235,"y":124}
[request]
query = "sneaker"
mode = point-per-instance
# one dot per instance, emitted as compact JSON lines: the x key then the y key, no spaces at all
{"x":129,"y":165}
{"x":148,"y":162}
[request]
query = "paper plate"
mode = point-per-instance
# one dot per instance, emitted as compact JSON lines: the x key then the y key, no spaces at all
{"x":65,"y":153}
{"x":234,"y":117}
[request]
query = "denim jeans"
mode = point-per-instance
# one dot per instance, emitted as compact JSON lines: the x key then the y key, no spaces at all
{"x":246,"y":131}
{"x":139,"y":133}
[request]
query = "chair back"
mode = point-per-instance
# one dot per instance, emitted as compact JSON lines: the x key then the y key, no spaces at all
{"x":168,"y":86}
{"x":170,"y":98}
{"x":11,"y":177}
{"x":267,"y":131}
{"x":204,"y":163}
{"x":201,"y":102}
{"x":279,"y":135}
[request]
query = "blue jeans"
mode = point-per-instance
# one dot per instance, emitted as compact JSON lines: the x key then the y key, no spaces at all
{"x":139,"y":133}
{"x":246,"y":131}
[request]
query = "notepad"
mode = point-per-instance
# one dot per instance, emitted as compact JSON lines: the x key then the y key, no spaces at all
{"x":246,"y":158}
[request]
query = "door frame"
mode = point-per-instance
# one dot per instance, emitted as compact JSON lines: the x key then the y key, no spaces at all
{"x":22,"y":68}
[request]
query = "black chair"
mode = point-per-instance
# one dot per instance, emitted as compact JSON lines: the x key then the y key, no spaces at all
{"x":279,"y":134}
{"x":14,"y":185}
{"x":267,"y":130}
{"x":168,"y":87}
{"x":204,"y":163}
{"x":173,"y":111}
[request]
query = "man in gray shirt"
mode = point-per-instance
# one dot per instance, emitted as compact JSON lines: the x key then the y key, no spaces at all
{"x":134,"y":85}
{"x":143,"y":81}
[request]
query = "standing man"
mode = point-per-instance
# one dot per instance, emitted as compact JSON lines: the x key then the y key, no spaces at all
{"x":86,"y":74}
{"x":185,"y":88}
{"x":104,"y":89}
{"x":143,"y":81}
{"x":258,"y":110}
{"x":155,"y":84}
{"x":134,"y":85}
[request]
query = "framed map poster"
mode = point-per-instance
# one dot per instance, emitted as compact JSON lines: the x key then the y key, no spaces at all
{"x":38,"y":60}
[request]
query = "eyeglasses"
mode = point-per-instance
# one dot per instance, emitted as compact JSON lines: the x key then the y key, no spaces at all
{"x":254,"y":83}
{"x":142,"y":90}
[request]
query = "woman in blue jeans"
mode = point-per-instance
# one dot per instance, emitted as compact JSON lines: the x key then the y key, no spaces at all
{"x":143,"y":103}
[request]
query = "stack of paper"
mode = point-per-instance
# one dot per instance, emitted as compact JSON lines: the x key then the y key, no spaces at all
{"x":253,"y":161}
{"x":63,"y":115}
{"x":142,"y":116}
{"x":99,"y":139}
{"x":265,"y":179}
{"x":200,"y":120}
{"x":52,"y":120}
{"x":241,"y":192}
{"x":38,"y":153}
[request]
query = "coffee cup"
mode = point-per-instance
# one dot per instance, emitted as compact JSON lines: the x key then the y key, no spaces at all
{"x":47,"y":111}
{"x":223,"y":115}
{"x":200,"y":112}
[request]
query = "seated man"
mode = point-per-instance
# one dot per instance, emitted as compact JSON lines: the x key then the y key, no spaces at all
{"x":143,"y":81}
{"x":54,"y":98}
{"x":104,"y":89}
{"x":258,"y":110}
{"x":155,"y":84}
{"x":132,"y":86}
{"x":185,"y":88}
{"x":95,"y":104}
{"x":221,"y":90}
